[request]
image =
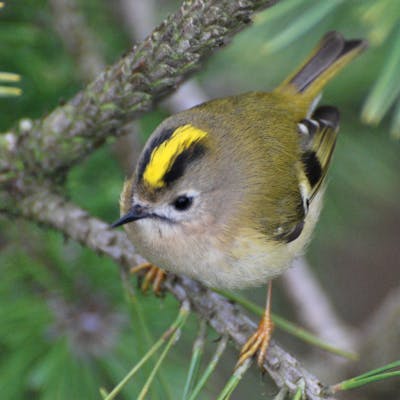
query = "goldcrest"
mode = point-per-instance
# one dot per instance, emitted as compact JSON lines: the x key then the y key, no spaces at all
{"x":228,"y":192}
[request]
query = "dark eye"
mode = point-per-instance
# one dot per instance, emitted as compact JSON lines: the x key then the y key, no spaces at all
{"x":182,"y":203}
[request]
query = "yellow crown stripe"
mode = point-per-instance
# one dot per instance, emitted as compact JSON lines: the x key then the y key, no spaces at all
{"x":164,"y":156}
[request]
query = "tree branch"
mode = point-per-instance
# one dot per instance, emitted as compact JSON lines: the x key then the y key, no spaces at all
{"x":36,"y":152}
{"x":226,"y":318}
{"x":54,"y":211}
{"x":127,"y":89}
{"x":140,"y":17}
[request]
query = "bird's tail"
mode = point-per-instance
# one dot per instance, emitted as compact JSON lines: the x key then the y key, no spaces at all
{"x":328,"y":58}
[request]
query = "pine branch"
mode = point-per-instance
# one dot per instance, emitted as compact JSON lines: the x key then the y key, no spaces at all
{"x":54,"y":211}
{"x":176,"y":48}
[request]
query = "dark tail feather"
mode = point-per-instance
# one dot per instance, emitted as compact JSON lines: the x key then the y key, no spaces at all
{"x":329,"y":57}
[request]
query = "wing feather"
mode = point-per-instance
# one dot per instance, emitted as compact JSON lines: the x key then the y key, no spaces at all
{"x":319,"y":134}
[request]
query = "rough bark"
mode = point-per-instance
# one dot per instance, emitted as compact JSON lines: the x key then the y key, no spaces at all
{"x":36,"y":155}
{"x":54,"y":211}
{"x":149,"y":71}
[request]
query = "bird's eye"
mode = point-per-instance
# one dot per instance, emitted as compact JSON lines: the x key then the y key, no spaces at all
{"x":182,"y":203}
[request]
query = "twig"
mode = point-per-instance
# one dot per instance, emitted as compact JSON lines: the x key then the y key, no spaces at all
{"x":85,"y":51}
{"x":226,"y":318}
{"x":140,"y":17}
{"x":122,"y":92}
{"x":54,"y":211}
{"x":288,"y":326}
{"x":38,"y":153}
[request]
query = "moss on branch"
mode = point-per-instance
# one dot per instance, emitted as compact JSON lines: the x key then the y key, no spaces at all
{"x":152,"y":69}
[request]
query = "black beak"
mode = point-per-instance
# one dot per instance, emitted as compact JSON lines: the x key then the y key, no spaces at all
{"x":135,"y":213}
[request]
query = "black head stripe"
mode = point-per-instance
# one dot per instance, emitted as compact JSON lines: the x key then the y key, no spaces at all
{"x":312,"y":167}
{"x":156,"y":141}
{"x":194,"y":152}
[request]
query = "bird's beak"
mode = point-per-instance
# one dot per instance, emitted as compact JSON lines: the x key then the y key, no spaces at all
{"x":135,"y":213}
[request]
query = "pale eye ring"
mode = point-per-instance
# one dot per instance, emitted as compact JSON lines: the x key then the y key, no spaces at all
{"x":182,"y":203}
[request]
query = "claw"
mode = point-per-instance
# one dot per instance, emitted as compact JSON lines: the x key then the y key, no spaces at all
{"x":154,"y":277}
{"x":259,"y":341}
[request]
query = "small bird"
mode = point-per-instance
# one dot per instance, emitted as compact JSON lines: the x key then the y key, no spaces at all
{"x":228,"y":192}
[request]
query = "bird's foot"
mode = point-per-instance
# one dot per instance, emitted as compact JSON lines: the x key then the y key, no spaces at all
{"x":153,"y":276}
{"x":259,"y":341}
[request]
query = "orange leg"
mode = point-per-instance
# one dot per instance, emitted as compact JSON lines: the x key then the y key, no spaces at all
{"x":259,"y":341}
{"x":154,"y":276}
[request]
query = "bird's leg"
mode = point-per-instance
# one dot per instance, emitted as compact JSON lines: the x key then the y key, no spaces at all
{"x":259,"y":341}
{"x":154,"y":276}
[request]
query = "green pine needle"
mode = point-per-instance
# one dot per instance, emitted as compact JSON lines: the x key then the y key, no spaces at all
{"x":210,"y":368}
{"x":175,"y":326}
{"x":288,"y":326}
{"x":281,"y":394}
{"x":282,"y":9}
{"x":374,"y":375}
{"x":234,"y":380}
{"x":144,"y":335}
{"x":9,"y":91}
{"x":183,"y":314}
{"x":300,"y":391}
{"x":395,"y":127}
{"x":300,"y":25}
{"x":103,"y":393}
{"x":386,"y":88}
{"x":395,"y":364}
{"x":197,"y":353}
{"x":9,"y":77}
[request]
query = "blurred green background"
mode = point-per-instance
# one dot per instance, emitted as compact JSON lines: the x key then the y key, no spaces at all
{"x":66,"y":326}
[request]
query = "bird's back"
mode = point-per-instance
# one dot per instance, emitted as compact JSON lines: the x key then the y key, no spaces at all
{"x":262,"y":147}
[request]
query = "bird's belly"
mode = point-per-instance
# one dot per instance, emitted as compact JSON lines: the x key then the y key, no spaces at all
{"x":243,"y":262}
{"x":247,"y":260}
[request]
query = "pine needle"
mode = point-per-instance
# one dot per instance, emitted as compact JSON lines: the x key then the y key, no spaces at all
{"x":282,"y":394}
{"x":395,"y":126}
{"x":197,"y":353}
{"x":210,"y":368}
{"x":183,"y":314}
{"x":9,"y":77}
{"x":386,"y":88}
{"x":300,"y":25}
{"x":374,"y":375}
{"x":288,"y":326}
{"x":175,"y":326}
{"x":234,"y":380}
{"x":300,"y":391}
